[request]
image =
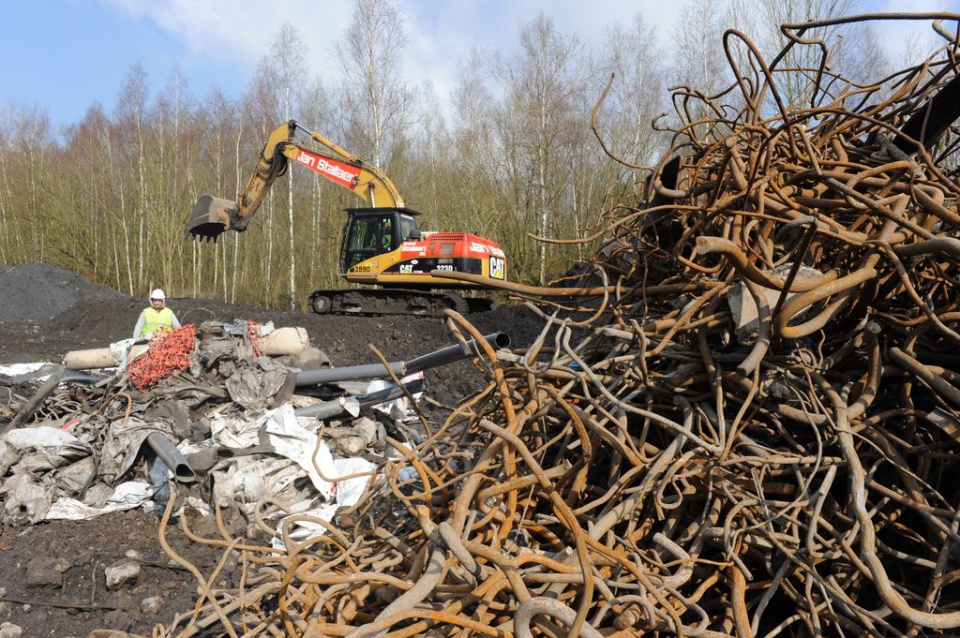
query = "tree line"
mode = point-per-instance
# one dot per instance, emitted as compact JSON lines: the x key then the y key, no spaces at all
{"x":513,"y":156}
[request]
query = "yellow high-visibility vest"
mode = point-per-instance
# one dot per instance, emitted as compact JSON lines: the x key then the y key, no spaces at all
{"x":157,"y":320}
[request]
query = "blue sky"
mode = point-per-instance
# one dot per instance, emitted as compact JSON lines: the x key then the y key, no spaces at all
{"x":62,"y":56}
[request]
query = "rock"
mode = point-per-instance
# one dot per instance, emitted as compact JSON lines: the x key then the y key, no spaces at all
{"x":368,"y":429}
{"x":122,"y":572}
{"x":152,"y":605}
{"x":9,"y":630}
{"x":205,"y":526}
{"x":353,"y":439}
{"x":98,"y":494}
{"x":83,"y":558}
{"x":46,"y":572}
{"x":115,"y":618}
{"x":129,"y":604}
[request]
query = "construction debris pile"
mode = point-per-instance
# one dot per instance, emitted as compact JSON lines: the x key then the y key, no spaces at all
{"x":753,"y":432}
{"x":226,"y":412}
{"x":750,"y":429}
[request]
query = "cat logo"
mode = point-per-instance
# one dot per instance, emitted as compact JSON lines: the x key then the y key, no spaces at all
{"x":496,"y":267}
{"x":406,"y":269}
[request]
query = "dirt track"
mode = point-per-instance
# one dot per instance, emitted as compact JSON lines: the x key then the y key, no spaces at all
{"x":49,"y":312}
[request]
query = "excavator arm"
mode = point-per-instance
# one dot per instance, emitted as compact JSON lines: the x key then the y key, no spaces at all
{"x":212,"y":216}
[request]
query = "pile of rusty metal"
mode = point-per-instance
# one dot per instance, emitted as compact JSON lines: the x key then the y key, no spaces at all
{"x":748,"y":426}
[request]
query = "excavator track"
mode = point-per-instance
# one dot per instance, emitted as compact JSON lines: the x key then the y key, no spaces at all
{"x":393,"y":301}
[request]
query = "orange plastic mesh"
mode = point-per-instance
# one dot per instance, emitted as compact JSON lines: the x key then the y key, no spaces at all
{"x":167,"y":354}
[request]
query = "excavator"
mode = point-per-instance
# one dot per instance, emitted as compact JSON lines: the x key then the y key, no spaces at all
{"x":381,"y":245}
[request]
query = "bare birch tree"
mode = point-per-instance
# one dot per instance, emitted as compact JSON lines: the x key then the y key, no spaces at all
{"x":476,"y":151}
{"x":377,"y":100}
{"x":131,"y":113}
{"x":800,"y":63}
{"x":700,"y":67}
{"x":288,"y":54}
{"x":216,"y":120}
{"x":92,"y":178}
{"x":543,"y":86}
{"x":263,"y":109}
{"x":635,"y":57}
{"x":169,"y":122}
{"x":26,"y":145}
{"x":697,"y":47}
{"x":322,"y":263}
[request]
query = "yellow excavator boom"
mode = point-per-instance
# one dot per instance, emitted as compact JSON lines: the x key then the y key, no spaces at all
{"x":212,"y":216}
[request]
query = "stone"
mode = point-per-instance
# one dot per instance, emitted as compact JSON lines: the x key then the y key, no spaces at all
{"x":83,"y":558}
{"x":9,"y":630}
{"x":152,"y":605}
{"x":123,"y":572}
{"x":45,"y":571}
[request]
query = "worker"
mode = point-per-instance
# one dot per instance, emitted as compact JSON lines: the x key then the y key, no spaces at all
{"x":156,"y":317}
{"x":386,"y":239}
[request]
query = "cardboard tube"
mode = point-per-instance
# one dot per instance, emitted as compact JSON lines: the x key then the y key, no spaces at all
{"x":282,"y":341}
{"x":97,"y":358}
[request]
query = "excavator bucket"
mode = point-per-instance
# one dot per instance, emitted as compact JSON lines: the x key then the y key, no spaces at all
{"x":210,"y":217}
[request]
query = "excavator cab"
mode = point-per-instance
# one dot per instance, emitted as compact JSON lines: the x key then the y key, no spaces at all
{"x":369,"y":232}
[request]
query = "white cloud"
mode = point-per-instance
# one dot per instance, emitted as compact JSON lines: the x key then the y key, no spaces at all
{"x":239,"y":33}
{"x":441,"y":33}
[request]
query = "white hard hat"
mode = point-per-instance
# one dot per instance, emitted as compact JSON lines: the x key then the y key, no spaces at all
{"x":158,"y":294}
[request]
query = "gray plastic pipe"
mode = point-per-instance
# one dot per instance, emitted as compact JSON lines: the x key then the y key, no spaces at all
{"x":171,"y":456}
{"x":440,"y":357}
{"x":352,"y":405}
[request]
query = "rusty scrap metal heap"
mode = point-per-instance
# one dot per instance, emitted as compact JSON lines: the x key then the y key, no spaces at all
{"x":666,"y":464}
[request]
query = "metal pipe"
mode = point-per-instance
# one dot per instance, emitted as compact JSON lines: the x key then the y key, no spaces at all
{"x":349,"y":373}
{"x":440,"y":357}
{"x":454,"y":353}
{"x":329,"y":409}
{"x":171,"y":456}
{"x":352,"y":405}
